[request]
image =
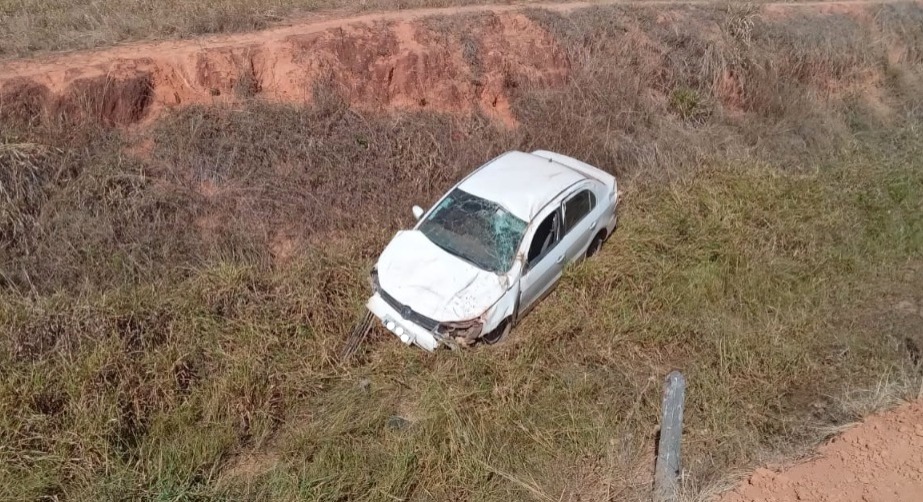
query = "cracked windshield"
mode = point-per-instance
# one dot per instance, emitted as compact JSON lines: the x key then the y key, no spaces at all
{"x":476,"y":230}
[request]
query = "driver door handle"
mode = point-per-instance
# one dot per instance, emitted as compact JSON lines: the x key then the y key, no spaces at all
{"x":560,"y":259}
{"x":592,"y":225}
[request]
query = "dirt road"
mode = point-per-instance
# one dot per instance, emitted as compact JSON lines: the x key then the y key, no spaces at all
{"x":880,"y":460}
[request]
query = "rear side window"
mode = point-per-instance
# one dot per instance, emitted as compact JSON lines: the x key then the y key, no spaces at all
{"x":577,"y":207}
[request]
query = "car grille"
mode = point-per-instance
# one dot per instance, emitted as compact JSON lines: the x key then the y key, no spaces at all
{"x":408,"y":313}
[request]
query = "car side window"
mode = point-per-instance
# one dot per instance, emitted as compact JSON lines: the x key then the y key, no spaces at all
{"x":546,"y":236}
{"x":577,"y":207}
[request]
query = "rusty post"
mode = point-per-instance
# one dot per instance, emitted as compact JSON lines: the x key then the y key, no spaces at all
{"x":668,"y":467}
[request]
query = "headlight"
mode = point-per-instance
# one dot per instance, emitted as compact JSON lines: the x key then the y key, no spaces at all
{"x":464,"y":333}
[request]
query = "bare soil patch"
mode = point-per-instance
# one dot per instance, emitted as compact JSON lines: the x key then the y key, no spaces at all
{"x":879,"y":460}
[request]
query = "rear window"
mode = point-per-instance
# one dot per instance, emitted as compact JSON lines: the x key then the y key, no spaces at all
{"x":577,"y":207}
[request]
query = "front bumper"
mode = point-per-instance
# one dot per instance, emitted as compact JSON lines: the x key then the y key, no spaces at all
{"x":407,"y":331}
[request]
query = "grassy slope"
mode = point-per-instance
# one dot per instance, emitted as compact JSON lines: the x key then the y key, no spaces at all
{"x":155,"y":345}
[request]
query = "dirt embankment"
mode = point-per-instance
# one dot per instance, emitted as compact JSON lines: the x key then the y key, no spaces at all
{"x":383,"y":64}
{"x":880,"y":460}
{"x":388,"y":61}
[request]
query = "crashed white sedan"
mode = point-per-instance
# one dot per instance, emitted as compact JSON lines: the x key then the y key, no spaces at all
{"x":491,"y":248}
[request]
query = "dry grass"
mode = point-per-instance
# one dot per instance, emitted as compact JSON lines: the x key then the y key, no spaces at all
{"x":169,"y":323}
{"x":30,"y":26}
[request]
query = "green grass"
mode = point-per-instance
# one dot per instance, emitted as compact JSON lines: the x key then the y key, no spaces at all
{"x":747,"y":279}
{"x":169,"y":323}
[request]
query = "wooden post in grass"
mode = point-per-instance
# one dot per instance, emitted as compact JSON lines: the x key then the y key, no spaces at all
{"x":668,"y":467}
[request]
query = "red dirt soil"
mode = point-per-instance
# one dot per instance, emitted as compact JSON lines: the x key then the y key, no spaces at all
{"x":381,"y":62}
{"x":880,"y":460}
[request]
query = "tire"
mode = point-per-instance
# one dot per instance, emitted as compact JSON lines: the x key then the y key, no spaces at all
{"x":499,"y":333}
{"x":595,"y":244}
{"x":357,"y":335}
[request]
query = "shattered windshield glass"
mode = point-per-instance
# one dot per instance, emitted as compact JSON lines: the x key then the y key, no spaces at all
{"x":475,"y":230}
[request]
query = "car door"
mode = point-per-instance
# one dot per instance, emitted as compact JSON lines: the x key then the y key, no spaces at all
{"x":578,"y":223}
{"x":544,"y":261}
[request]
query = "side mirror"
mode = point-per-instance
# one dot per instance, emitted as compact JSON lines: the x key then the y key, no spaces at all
{"x":417,"y":212}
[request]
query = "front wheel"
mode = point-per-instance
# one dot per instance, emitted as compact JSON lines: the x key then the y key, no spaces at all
{"x":499,"y":333}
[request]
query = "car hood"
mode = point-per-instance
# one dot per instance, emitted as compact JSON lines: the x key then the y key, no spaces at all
{"x":434,"y":283}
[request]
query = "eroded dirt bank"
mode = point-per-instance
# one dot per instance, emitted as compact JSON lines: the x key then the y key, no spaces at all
{"x":382,"y":63}
{"x":387,"y":61}
{"x":880,"y":460}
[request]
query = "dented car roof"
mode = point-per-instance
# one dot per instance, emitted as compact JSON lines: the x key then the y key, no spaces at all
{"x":523,"y":183}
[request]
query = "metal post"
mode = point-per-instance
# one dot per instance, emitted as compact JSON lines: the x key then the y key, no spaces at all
{"x":668,"y":467}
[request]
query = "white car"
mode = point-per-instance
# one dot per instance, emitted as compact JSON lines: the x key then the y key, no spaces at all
{"x":491,"y":248}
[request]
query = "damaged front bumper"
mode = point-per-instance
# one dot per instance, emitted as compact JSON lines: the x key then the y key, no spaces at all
{"x":451,"y":335}
{"x":404,"y":323}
